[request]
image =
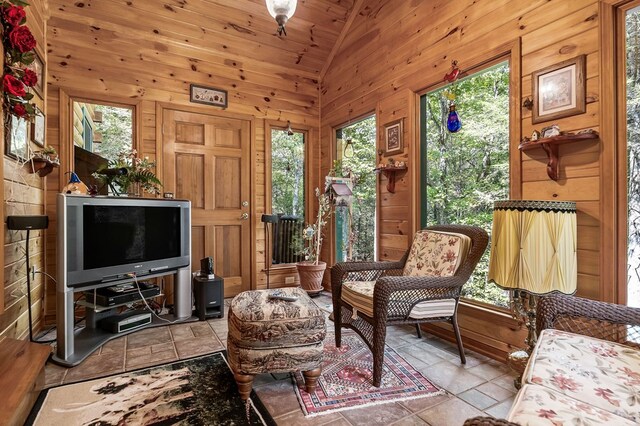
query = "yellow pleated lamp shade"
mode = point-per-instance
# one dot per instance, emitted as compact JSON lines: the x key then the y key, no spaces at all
{"x":533,"y":246}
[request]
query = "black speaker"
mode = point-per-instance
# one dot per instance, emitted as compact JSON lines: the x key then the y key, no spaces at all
{"x":206,"y":266}
{"x":21,"y":223}
{"x":209,"y":295}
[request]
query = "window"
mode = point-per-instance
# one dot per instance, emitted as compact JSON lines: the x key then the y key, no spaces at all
{"x":463,"y":173}
{"x":288,"y":195}
{"x":100,"y":133}
{"x":632,"y":47}
{"x":356,"y":158}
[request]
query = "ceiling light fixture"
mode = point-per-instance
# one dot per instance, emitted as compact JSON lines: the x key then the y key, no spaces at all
{"x":281,"y":11}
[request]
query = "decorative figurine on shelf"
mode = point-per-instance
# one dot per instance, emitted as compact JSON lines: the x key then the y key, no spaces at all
{"x":550,"y":131}
{"x":535,"y":135}
{"x":75,"y":186}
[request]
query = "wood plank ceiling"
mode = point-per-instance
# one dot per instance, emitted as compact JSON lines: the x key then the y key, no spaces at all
{"x":234,"y":41}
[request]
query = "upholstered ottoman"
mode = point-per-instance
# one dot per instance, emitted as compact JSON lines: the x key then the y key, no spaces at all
{"x":274,"y":336}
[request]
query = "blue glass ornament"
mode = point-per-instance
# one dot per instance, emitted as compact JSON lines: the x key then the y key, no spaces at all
{"x":453,"y":121}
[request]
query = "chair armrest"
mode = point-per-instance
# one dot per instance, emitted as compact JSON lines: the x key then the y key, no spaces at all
{"x":608,"y":321}
{"x":363,"y":271}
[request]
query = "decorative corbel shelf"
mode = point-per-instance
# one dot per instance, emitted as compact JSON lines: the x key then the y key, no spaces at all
{"x":390,"y":174}
{"x":550,"y":146}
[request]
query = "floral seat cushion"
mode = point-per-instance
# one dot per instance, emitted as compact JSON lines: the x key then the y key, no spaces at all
{"x":595,"y":372}
{"x":436,"y":254}
{"x":359,"y":294}
{"x":538,"y":405}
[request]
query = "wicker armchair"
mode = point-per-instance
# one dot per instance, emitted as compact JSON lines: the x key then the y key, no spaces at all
{"x":395,"y":295}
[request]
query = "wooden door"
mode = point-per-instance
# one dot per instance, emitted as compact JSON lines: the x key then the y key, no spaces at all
{"x":206,"y":161}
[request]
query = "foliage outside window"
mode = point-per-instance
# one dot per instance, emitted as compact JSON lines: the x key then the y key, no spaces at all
{"x":360,"y":163}
{"x":465,"y":172}
{"x":633,"y":156}
{"x":287,"y":195}
{"x":102,"y":135}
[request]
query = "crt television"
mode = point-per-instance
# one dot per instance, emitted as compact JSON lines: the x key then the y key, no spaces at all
{"x":103,"y":239}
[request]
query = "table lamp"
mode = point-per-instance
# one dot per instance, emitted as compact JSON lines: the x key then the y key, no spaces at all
{"x":533,"y":252}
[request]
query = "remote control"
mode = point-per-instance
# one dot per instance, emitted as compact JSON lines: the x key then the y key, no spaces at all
{"x":283,"y":296}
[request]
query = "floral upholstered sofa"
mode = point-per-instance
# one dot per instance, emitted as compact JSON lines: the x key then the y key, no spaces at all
{"x":584,"y":370}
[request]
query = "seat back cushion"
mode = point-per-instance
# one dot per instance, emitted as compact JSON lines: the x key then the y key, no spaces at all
{"x":435,"y":253}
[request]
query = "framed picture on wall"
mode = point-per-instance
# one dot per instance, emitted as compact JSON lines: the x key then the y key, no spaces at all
{"x":16,"y":137}
{"x":393,"y":137}
{"x":559,"y":90}
{"x":37,"y":66}
{"x":37,"y":128}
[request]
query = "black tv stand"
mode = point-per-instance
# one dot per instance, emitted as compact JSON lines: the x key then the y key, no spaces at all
{"x":74,"y":346}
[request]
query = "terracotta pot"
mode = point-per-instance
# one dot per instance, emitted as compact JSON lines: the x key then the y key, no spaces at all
{"x":311,"y":275}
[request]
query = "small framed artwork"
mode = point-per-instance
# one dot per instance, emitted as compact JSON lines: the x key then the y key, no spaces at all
{"x":393,"y":137}
{"x":37,"y":128}
{"x":208,"y":96}
{"x":37,"y":66}
{"x":16,"y":138}
{"x":559,"y":90}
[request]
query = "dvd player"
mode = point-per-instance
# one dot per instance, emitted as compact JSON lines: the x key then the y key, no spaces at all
{"x":125,"y":322}
{"x":119,"y":294}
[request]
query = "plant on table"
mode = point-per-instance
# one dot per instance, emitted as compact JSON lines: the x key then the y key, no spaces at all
{"x":135,"y":172}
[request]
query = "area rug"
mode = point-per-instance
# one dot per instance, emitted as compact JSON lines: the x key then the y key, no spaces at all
{"x":198,"y":391}
{"x":346,"y":382}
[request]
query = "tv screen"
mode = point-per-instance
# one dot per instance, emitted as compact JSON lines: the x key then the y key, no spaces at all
{"x":106,"y":239}
{"x":128,"y":234}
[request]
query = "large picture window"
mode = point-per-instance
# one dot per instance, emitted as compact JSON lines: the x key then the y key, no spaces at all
{"x":463,"y":173}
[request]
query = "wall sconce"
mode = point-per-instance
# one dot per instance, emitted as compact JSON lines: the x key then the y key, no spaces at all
{"x":281,"y":11}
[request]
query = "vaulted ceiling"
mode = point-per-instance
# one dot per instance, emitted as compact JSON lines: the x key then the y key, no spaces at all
{"x":218,"y":31}
{"x":155,"y":49}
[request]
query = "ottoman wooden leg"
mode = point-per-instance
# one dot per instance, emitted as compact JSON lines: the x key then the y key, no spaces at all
{"x":245,"y":382}
{"x":311,"y":379}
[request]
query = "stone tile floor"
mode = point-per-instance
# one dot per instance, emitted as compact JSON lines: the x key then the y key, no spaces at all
{"x":481,"y":387}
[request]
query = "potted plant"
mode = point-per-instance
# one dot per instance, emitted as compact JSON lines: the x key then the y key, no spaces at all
{"x":311,"y":270}
{"x":135,"y":175}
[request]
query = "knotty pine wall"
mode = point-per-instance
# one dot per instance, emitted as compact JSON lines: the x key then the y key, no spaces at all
{"x":395,"y":50}
{"x":24,"y":194}
{"x":104,"y":53}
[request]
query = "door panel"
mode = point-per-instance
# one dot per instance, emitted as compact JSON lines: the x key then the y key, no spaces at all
{"x":190,"y":179}
{"x":206,"y":160}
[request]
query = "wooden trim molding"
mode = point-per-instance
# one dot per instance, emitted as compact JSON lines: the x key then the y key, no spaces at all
{"x":338,"y":44}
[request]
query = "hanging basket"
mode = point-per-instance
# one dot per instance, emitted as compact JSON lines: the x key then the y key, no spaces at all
{"x":311,"y":276}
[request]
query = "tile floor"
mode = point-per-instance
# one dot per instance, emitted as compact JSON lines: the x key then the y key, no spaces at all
{"x":481,"y":387}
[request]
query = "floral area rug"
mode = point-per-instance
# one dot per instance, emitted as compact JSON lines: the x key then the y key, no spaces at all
{"x":346,"y":379}
{"x":198,"y":391}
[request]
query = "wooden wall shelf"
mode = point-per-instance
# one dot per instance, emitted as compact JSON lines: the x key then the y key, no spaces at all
{"x":550,"y":146}
{"x":390,"y":174}
{"x":41,"y":166}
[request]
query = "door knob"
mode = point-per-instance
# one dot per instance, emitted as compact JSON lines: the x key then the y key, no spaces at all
{"x":244,"y":216}
{"x":245,"y":204}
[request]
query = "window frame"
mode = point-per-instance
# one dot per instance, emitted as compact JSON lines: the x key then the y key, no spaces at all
{"x":66,"y":148}
{"x":268,"y":193}
{"x":511,"y":53}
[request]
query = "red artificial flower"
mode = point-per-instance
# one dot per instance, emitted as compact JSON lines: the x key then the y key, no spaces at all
{"x":22,"y":39}
{"x":13,"y":86}
{"x":19,"y":110}
{"x":14,"y":15}
{"x":29,"y":78}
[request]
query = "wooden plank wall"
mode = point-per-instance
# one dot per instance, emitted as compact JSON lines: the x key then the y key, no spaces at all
{"x":105,"y":54}
{"x":396,"y":49}
{"x":24,"y":195}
